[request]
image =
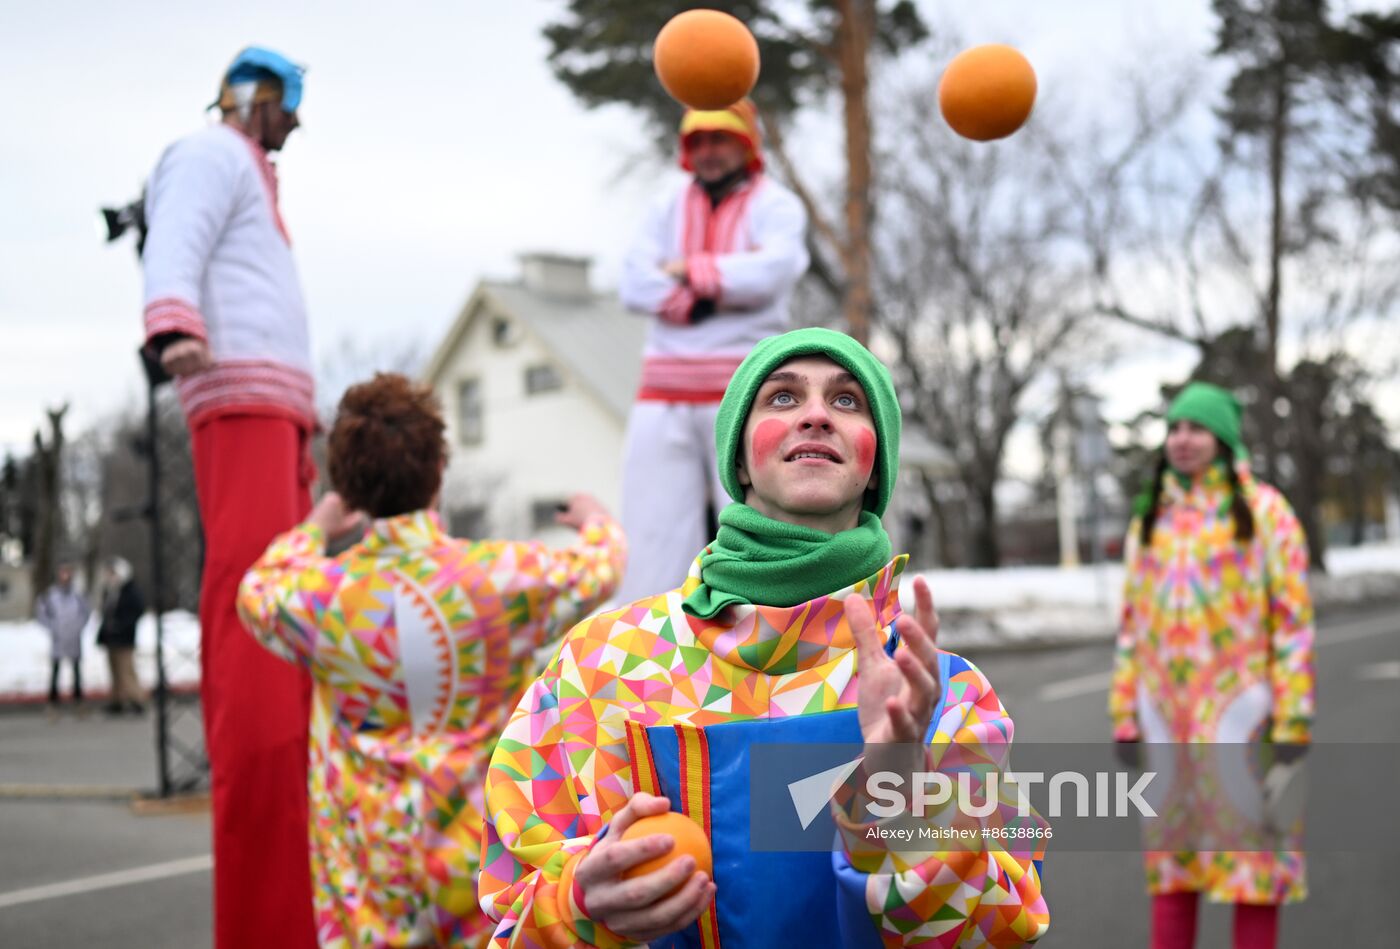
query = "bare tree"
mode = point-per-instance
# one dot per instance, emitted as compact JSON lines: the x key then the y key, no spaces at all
{"x":1268,"y":240}
{"x":356,"y":359}
{"x":82,"y":496}
{"x":47,"y":460}
{"x":988,"y":259}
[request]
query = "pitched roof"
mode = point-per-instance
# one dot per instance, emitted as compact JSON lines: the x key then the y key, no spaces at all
{"x":599,"y":343}
{"x":593,"y":337}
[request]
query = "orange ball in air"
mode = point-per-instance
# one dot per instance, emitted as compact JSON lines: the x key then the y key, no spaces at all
{"x":689,"y":838}
{"x":987,"y":92}
{"x":706,"y":59}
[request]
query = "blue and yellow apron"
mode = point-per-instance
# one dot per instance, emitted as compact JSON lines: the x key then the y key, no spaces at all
{"x":763,"y":898}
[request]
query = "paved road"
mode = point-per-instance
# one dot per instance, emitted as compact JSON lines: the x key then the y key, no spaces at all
{"x":93,"y":873}
{"x":89,"y":871}
{"x":1098,"y":899}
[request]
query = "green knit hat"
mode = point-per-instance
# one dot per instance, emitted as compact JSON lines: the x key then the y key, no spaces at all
{"x":1213,"y":408}
{"x":841,"y":349}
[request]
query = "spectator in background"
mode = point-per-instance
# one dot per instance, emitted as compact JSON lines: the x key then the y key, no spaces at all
{"x":122,"y":606}
{"x":419,"y":646}
{"x":63,"y":611}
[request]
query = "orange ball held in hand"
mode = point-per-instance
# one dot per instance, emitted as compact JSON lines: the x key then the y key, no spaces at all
{"x":689,"y":838}
{"x":706,"y":59}
{"x":987,"y":92}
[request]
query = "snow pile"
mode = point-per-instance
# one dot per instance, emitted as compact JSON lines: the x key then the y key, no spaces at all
{"x":1027,"y":606}
{"x":25,"y":668}
{"x":1010,"y":607}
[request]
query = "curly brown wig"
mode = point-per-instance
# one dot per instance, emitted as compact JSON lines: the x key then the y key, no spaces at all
{"x":386,"y":447}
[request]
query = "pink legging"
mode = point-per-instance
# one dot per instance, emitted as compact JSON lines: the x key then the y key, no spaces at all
{"x":1174,"y":923}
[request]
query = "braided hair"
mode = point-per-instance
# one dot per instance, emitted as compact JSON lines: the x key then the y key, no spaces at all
{"x":1239,"y":507}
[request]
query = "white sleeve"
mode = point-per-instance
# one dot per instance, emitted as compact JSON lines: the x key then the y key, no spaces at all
{"x":756,"y":279}
{"x":644,"y":287}
{"x":188,"y":202}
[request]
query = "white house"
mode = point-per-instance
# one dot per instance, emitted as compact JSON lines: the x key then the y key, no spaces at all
{"x":537,"y":377}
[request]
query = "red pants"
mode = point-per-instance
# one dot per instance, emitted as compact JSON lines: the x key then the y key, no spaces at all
{"x":254,"y":475}
{"x":1174,"y":923}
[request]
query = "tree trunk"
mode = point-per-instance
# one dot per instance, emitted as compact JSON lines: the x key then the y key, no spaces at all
{"x":1309,"y":456}
{"x":853,"y":48}
{"x":1278,"y":135}
{"x":986,"y":549}
{"x":49,"y":460}
{"x":1309,"y":515}
{"x":939,"y":516}
{"x":1360,"y":495}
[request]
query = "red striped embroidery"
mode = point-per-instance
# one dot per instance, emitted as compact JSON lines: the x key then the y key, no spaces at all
{"x":644,"y":777}
{"x":693,"y":754}
{"x":173,"y":315}
{"x":676,"y":309}
{"x":684,"y":374}
{"x":707,"y":231}
{"x":248,"y":383}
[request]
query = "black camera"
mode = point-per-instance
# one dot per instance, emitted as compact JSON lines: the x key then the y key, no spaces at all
{"x":131,"y":216}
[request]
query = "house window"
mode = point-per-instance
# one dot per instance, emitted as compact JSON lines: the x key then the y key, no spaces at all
{"x":542,"y":513}
{"x":467,"y":522}
{"x":470,"y":412}
{"x":542,"y":378}
{"x":501,"y":333}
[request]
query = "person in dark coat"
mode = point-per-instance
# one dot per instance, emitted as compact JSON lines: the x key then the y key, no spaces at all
{"x":122,"y":606}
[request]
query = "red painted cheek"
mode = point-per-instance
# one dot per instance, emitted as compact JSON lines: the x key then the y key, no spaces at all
{"x":768,"y":436}
{"x":865,"y":450}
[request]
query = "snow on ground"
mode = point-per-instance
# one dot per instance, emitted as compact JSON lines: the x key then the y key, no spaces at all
{"x":1368,"y":558}
{"x":1018,"y":606}
{"x":24,"y":657}
{"x":1102,"y":585}
{"x":1013,"y":606}
{"x":1019,"y":587}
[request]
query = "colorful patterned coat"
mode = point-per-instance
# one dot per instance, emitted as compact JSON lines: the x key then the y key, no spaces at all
{"x":1216,"y":646}
{"x":419,"y":646}
{"x":563,"y":767}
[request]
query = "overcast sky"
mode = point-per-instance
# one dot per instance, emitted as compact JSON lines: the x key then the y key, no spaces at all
{"x":436,"y":147}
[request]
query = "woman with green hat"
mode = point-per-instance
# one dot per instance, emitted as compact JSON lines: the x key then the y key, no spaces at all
{"x":1215,"y":656}
{"x":788,"y":630}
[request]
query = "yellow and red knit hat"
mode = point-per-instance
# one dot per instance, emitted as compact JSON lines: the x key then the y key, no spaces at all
{"x":740,"y":119}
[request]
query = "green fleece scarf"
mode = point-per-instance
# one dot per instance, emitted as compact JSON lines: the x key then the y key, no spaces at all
{"x":756,"y":559}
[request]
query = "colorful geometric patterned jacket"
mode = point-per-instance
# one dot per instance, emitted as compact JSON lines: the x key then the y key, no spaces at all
{"x":419,"y":646}
{"x":574,"y":753}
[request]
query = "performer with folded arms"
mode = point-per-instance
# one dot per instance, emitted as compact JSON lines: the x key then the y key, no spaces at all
{"x":713,"y":267}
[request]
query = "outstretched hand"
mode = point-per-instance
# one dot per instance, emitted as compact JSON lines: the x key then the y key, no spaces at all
{"x":896,"y":695}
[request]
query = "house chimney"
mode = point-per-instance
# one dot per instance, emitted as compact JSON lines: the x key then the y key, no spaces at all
{"x":555,"y":274}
